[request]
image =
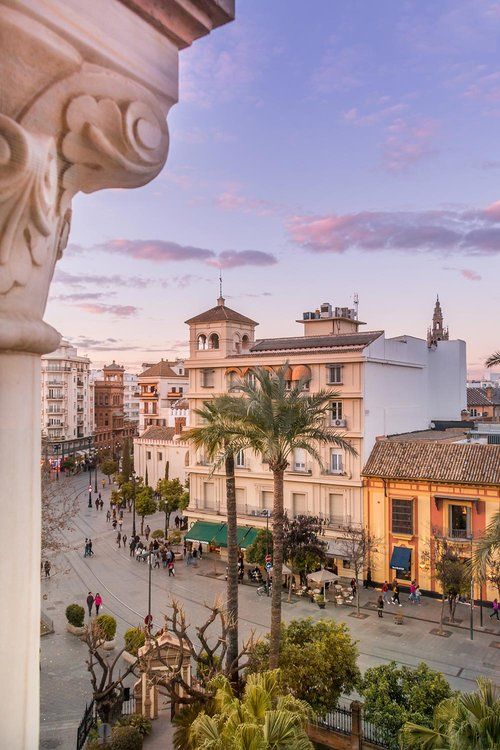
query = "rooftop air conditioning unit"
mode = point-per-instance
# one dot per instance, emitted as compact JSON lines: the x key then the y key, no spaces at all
{"x":307,"y":316}
{"x":326,"y":310}
{"x":339,"y":422}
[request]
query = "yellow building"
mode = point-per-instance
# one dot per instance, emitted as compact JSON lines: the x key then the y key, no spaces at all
{"x":415,"y":489}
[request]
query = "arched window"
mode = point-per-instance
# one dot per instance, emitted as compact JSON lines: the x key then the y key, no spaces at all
{"x":202,"y":341}
{"x":213,"y":342}
{"x":245,"y":343}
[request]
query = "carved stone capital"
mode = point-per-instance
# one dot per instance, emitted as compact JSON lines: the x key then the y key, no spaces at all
{"x":90,"y":128}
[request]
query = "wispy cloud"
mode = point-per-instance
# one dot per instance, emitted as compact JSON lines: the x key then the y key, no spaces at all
{"x":118,"y":345}
{"x":81,"y":279}
{"x":467,"y":273}
{"x":119,"y":311}
{"x":407,"y":143}
{"x":442,"y":232}
{"x":83,"y":296}
{"x":233,"y":200}
{"x":341,"y":69}
{"x":237,"y":258}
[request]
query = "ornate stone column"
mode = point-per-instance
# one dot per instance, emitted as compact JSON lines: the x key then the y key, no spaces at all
{"x":85,"y":88}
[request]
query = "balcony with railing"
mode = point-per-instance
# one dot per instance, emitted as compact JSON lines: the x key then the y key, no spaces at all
{"x":79,"y":382}
{"x":460,"y":534}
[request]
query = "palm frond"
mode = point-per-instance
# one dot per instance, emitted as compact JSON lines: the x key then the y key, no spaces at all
{"x":493,"y":360}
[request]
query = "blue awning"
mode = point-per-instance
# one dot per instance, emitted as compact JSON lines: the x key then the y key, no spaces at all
{"x":401,"y":558}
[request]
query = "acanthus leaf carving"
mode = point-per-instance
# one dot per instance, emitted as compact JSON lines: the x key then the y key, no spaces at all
{"x":28,"y":195}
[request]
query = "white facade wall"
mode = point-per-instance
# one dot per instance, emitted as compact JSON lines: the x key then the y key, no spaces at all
{"x":155,"y":453}
{"x":407,"y":385}
{"x":131,"y":400}
{"x":67,"y":406}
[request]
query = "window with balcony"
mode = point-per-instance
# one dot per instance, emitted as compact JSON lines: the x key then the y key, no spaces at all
{"x":459,"y":521}
{"x":336,"y":410}
{"x":334,"y":374}
{"x":207,"y":378}
{"x":240,"y":460}
{"x":402,"y":516}
{"x":336,"y":462}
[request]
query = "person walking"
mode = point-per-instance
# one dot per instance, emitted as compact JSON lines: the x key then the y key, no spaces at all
{"x":132,"y":546}
{"x":100,"y":498}
{"x":385,"y":592}
{"x":147,"y":532}
{"x":119,"y":539}
{"x":496,"y":607}
{"x":171,"y":569}
{"x":380,"y":606}
{"x":46,"y":568}
{"x":97,"y":602}
{"x":124,"y":540}
{"x":86,"y":553}
{"x":120,"y":523}
{"x":90,"y":603}
{"x":418,"y":594}
{"x":91,"y":551}
{"x":395,"y":596}
{"x":157,"y":560}
{"x":200,"y":550}
{"x":108,"y":516}
{"x":413,"y":588}
{"x":354,"y":587}
{"x":97,"y":503}
{"x":114,"y":524}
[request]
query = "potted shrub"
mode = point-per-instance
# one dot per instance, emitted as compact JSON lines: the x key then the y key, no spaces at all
{"x":140,"y":722}
{"x":175,"y":537}
{"x":107,"y":626}
{"x":158,"y":534}
{"x":125,"y":738}
{"x":75,"y":616}
{"x":320,"y":600}
{"x":134,"y":638}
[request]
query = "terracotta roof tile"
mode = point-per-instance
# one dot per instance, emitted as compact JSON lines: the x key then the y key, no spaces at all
{"x":439,"y":462}
{"x":326,"y":341}
{"x":161,"y":369}
{"x":477,"y":397}
{"x":219,"y":314}
{"x":156,"y":432}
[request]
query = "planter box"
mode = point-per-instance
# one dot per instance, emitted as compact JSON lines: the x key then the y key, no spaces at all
{"x":109,"y":645}
{"x":74,"y":630}
{"x":128,"y":657}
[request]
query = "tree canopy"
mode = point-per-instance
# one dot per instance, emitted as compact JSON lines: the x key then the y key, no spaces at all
{"x":394,"y":694}
{"x":317,"y":661}
{"x":173,"y":497}
{"x":109,"y":467}
{"x":145,"y":504}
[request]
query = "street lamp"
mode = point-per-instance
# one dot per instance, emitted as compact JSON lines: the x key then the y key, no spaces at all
{"x":90,"y":496}
{"x":96,"y":459}
{"x":56,"y":450}
{"x":90,"y":462}
{"x":150,"y":617}
{"x":265,"y":513}
{"x":133,"y":503}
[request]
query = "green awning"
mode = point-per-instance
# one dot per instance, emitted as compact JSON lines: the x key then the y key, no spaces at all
{"x":401,"y":558}
{"x":216,"y":533}
{"x":203,"y":531}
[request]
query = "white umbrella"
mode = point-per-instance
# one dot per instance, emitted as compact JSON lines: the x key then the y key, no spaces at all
{"x":321,"y":577}
{"x":285,"y":570}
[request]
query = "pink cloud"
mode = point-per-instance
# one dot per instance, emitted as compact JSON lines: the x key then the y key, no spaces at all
{"x":121,"y":311}
{"x":470,"y":275}
{"x":155,"y":250}
{"x":443,"y":232}
{"x":407,"y":143}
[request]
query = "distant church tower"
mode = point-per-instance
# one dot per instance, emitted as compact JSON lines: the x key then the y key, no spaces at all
{"x":438,"y":332}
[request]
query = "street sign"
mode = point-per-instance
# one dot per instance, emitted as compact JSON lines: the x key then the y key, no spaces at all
{"x":269,"y":565}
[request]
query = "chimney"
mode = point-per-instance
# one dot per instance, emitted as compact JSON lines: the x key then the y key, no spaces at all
{"x":489,"y":392}
{"x":180,"y":422}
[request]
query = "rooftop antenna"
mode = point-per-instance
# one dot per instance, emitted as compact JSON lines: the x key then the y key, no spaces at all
{"x":356,"y":304}
{"x":220,"y":301}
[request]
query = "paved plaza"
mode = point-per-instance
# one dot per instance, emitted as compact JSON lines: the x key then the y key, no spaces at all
{"x":123,"y":585}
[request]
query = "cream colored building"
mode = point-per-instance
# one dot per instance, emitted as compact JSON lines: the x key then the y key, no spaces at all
{"x":379,"y":386}
{"x":67,"y":402}
{"x":161,"y":391}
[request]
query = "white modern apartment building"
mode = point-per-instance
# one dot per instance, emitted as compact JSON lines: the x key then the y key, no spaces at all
{"x":67,"y":398}
{"x":131,"y":402}
{"x":380,"y":386}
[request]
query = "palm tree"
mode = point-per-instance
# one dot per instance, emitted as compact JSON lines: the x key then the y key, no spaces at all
{"x":262,"y":720}
{"x":280,"y":419}
{"x":218,"y":418}
{"x":487,"y":547}
{"x":467,"y":721}
{"x":493,"y":360}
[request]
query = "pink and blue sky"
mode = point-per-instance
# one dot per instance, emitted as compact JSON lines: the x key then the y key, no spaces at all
{"x":318,"y":149}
